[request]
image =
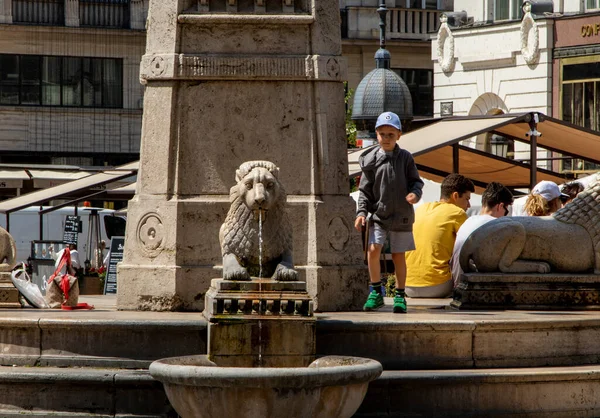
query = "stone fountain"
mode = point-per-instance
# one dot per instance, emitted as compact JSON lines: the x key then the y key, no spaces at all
{"x":261,"y":335}
{"x":229,"y":81}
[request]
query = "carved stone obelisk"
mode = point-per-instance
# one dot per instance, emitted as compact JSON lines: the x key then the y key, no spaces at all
{"x":229,"y":81}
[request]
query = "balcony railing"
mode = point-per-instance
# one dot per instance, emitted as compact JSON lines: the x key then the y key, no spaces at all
{"x":40,"y":12}
{"x":104,"y":13}
{"x":405,"y":22}
{"x":362,"y":23}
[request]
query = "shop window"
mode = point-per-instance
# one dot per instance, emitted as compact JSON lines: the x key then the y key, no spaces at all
{"x":420,"y":84}
{"x":61,"y":81}
{"x":580,"y":103}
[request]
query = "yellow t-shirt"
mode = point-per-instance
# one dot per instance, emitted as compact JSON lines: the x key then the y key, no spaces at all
{"x":434,"y":230}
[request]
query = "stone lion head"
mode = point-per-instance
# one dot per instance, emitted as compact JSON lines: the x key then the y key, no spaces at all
{"x":258,"y":186}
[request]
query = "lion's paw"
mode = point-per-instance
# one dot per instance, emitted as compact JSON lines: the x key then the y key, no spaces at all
{"x":285,"y":274}
{"x":238,"y":273}
{"x":543,"y":267}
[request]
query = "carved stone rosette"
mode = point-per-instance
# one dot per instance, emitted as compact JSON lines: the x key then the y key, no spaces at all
{"x":151,"y":234}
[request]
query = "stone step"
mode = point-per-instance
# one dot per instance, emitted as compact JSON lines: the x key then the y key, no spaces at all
{"x":95,"y":339}
{"x":434,"y":339}
{"x":78,"y":393}
{"x":451,"y":340}
{"x":525,"y":392}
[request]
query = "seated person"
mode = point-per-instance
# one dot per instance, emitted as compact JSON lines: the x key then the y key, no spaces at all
{"x":495,"y":203}
{"x":570,"y":191}
{"x":434,"y":230}
{"x":544,"y":199}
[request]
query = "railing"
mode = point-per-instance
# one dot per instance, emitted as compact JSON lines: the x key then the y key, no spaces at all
{"x":360,"y":23}
{"x":104,"y":13}
{"x":41,"y":12}
{"x":413,"y":22}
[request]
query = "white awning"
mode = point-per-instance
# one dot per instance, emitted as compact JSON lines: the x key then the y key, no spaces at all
{"x":12,"y":178}
{"x":83,"y":184}
{"x":43,"y":179}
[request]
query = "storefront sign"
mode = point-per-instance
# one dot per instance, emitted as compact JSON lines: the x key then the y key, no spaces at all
{"x":116,"y":255}
{"x":72,"y":229}
{"x":591,"y":29}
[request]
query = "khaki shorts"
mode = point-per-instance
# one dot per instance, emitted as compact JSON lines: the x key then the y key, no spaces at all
{"x":400,"y":241}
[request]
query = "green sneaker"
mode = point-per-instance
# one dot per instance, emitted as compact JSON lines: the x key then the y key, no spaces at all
{"x":399,"y":304}
{"x":374,"y":301}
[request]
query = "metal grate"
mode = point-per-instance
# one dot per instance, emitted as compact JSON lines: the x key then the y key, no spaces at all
{"x":41,"y":12}
{"x":104,"y":13}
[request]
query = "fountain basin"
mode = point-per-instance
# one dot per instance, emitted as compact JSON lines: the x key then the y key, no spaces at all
{"x":332,"y":386}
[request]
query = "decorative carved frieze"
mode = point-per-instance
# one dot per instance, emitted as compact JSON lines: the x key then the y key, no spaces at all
{"x":220,"y":67}
{"x":527,"y":291}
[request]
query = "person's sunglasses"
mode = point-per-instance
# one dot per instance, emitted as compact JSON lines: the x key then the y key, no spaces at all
{"x":506,"y":209}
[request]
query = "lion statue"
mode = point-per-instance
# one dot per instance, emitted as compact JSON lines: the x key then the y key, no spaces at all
{"x":568,"y":241}
{"x":257,"y":200}
{"x":8,"y":251}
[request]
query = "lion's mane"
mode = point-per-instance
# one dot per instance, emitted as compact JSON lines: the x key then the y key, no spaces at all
{"x":584,"y":210}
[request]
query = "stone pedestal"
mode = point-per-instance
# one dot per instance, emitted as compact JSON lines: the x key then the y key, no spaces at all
{"x":9,"y":295}
{"x":527,"y":291}
{"x":225,"y":84}
{"x":260,"y":323}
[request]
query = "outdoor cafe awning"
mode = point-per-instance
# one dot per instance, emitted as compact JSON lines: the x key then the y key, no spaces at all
{"x":88,"y":185}
{"x":437,"y":151}
{"x":43,"y":179}
{"x":12,"y":178}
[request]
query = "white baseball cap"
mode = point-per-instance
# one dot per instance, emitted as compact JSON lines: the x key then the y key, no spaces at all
{"x":548,"y":190}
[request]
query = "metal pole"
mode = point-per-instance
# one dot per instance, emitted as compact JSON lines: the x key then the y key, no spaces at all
{"x":455,"y":158}
{"x":533,"y":135}
{"x":533,"y":168}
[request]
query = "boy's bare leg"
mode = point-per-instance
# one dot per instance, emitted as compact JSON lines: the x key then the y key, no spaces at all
{"x":373,"y":260}
{"x":400,"y":267}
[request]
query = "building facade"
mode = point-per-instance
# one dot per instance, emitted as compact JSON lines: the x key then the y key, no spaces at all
{"x":69,"y":72}
{"x":69,"y":81}
{"x":506,"y":58}
{"x":410,"y":26}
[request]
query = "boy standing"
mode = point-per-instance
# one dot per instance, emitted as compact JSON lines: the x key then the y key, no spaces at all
{"x":389,"y":186}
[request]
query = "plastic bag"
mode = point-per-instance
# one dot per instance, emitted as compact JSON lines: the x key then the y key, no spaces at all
{"x":30,"y":291}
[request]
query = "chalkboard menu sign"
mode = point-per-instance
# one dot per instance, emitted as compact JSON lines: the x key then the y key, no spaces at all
{"x":117,"y":245}
{"x":71,"y":232}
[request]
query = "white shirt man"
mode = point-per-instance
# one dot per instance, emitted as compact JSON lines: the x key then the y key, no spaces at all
{"x":495,"y":203}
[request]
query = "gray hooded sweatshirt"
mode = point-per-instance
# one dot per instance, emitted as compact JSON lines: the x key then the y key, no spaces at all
{"x":385,"y":182}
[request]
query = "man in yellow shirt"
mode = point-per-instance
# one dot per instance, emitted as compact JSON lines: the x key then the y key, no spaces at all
{"x":434,"y":230}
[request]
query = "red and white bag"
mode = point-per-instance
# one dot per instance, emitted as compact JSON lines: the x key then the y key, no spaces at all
{"x":63,"y":289}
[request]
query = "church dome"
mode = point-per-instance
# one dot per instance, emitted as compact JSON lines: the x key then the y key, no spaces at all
{"x":382,"y":90}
